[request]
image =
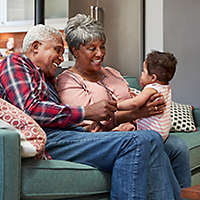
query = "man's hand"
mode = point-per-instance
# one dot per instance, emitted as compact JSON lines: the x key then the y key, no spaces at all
{"x":102,"y":110}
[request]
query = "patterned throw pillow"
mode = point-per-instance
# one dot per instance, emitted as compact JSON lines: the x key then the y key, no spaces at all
{"x":33,"y":138}
{"x":182,"y":118}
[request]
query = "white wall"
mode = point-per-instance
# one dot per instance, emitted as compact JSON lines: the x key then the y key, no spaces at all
{"x":174,"y":26}
{"x":182,"y":36}
{"x":154,"y":25}
{"x":123,"y":28}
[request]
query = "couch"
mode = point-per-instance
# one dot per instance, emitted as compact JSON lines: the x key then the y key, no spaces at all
{"x":31,"y":179}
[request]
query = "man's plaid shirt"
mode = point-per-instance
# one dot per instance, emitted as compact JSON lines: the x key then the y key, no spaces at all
{"x":24,"y":85}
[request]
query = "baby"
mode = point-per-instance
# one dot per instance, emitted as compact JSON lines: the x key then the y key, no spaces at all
{"x":158,"y":70}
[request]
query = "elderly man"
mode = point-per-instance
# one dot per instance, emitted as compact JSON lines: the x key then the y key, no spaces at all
{"x":139,"y":166}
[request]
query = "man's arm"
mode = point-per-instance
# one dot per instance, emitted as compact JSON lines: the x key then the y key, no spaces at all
{"x":102,"y":110}
{"x":138,"y":101}
{"x":25,"y":87}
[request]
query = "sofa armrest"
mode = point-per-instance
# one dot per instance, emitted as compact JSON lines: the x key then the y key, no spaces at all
{"x":196,"y":113}
{"x":10,"y":165}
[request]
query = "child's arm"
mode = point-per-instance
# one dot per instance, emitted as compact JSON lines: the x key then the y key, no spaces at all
{"x":138,"y":101}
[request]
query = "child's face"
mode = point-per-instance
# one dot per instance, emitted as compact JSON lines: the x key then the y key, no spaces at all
{"x":145,"y":77}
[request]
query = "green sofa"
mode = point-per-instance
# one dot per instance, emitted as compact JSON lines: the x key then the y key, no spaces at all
{"x":53,"y":179}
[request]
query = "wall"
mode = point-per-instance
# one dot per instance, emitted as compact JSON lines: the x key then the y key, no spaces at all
{"x":18,"y":38}
{"x":174,"y":26}
{"x":123,"y":24}
{"x":153,"y":25}
{"x":182,"y":36}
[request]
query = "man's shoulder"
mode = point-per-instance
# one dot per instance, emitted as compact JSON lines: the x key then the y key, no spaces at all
{"x":13,"y":59}
{"x":20,"y":61}
{"x":18,"y":66}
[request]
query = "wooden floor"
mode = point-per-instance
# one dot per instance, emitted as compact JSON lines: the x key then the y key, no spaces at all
{"x":192,"y":193}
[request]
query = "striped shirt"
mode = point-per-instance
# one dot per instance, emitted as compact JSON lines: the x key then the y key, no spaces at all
{"x":159,"y":123}
{"x":24,"y":85}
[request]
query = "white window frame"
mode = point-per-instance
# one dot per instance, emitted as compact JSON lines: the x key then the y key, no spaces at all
{"x":24,"y":25}
{"x":2,"y":11}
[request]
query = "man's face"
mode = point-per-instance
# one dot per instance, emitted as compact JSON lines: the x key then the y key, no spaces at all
{"x":50,"y":55}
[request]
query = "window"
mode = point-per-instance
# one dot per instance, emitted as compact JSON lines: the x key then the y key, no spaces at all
{"x":20,"y":13}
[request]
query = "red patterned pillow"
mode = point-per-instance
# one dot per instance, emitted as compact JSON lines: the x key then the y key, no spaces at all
{"x":33,"y":138}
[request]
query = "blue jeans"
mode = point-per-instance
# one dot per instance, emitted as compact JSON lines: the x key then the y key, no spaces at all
{"x":139,"y":165}
{"x":178,"y":154}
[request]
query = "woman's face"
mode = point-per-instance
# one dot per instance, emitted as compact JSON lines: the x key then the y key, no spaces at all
{"x":89,"y":57}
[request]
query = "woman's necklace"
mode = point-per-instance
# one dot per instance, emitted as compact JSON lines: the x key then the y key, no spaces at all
{"x":92,"y":77}
{"x":98,"y":78}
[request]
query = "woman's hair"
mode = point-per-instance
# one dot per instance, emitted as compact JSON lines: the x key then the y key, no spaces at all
{"x":39,"y":32}
{"x":163,"y":64}
{"x":82,"y":29}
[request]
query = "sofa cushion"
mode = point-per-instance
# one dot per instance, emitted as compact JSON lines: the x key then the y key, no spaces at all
{"x":63,"y":178}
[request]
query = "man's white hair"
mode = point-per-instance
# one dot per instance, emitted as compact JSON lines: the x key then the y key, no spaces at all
{"x":39,"y":32}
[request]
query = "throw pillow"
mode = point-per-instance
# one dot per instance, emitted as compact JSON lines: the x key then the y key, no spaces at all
{"x":33,"y":138}
{"x":182,"y":118}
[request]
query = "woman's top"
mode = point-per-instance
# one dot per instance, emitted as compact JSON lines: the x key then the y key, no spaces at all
{"x":77,"y":91}
{"x":159,"y":123}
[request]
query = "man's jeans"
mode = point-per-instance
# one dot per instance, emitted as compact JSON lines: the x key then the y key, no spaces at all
{"x":140,"y":168}
{"x":178,"y":154}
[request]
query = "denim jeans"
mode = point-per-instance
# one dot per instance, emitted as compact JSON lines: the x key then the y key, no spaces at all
{"x":139,"y":165}
{"x":178,"y":154}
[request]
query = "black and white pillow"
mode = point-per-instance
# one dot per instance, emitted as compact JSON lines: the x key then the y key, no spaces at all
{"x":181,"y":116}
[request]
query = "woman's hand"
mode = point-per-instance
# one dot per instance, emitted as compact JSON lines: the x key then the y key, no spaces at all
{"x":100,"y":126}
{"x":154,"y":106}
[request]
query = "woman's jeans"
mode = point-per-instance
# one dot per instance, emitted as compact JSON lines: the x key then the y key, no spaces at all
{"x":140,"y":167}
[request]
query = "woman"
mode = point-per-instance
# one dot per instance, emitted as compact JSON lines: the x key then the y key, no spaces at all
{"x":87,"y":82}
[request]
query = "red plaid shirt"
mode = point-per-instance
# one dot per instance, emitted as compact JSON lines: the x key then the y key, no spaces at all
{"x":24,"y":85}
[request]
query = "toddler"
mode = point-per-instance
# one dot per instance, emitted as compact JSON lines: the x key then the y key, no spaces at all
{"x":158,"y":70}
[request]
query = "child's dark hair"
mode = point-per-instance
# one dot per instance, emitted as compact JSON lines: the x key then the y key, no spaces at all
{"x":163,"y":64}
